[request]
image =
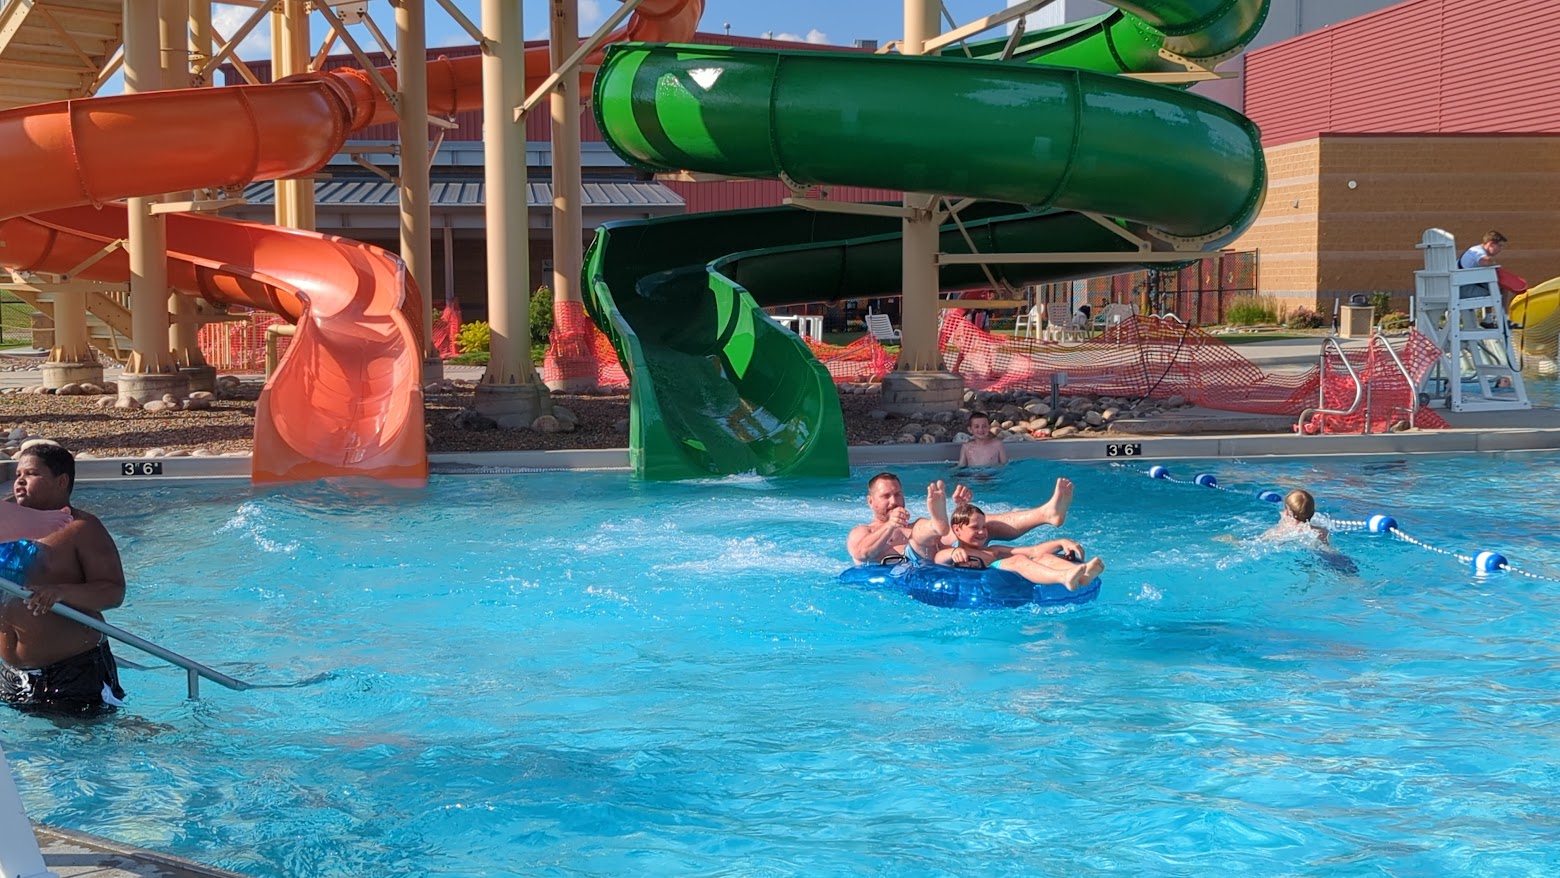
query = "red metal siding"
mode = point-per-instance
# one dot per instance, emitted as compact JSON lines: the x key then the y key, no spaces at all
{"x":1420,"y":67}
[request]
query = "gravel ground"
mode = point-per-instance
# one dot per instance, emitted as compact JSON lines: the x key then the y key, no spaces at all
{"x":82,"y":425}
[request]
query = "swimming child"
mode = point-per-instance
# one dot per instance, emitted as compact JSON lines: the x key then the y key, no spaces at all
{"x":1295,"y":519}
{"x":1038,"y":563}
{"x":983,"y":449}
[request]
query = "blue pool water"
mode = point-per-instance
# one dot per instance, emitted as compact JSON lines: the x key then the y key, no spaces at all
{"x":580,"y":675}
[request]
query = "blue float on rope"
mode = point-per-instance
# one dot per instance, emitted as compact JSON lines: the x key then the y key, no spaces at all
{"x":1488,"y":562}
{"x":1206,"y":480}
{"x":1158,"y":472}
{"x":1380,"y":524}
{"x":1270,"y":496}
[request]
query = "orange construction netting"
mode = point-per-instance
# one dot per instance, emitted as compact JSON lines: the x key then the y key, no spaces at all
{"x":1140,"y":358}
{"x":238,"y":343}
{"x":578,"y":350}
{"x":1392,"y":396}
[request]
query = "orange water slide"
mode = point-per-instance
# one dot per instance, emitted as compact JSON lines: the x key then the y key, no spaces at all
{"x":347,"y":398}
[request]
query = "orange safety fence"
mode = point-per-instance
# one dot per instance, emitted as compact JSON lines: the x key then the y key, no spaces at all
{"x":1142,"y":357}
{"x":237,"y":344}
{"x":578,"y":350}
{"x":1387,"y":395}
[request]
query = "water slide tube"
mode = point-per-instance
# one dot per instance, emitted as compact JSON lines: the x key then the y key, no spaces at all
{"x":347,"y":398}
{"x":1537,"y":311}
{"x":717,"y":387}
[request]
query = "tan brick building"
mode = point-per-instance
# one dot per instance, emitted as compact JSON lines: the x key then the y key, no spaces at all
{"x":1344,"y":212}
{"x":1370,"y":142}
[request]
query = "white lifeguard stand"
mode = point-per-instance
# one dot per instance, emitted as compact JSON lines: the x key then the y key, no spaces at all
{"x":1447,"y":305}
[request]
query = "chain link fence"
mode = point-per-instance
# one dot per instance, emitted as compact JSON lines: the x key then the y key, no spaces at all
{"x":16,"y":322}
{"x":1198,"y":293}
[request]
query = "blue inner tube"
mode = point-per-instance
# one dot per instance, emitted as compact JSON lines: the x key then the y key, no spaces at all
{"x":965,"y":588}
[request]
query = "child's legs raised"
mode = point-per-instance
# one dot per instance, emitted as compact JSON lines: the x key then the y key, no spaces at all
{"x":1046,"y":569}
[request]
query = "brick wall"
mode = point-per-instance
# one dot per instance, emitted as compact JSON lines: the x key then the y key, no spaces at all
{"x":1341,"y":240}
{"x":1285,"y":232}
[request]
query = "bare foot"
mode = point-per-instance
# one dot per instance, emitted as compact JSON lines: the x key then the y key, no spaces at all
{"x":1056,"y":508}
{"x":1085,"y":574}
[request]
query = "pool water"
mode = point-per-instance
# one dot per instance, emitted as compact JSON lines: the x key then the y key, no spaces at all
{"x":582,"y":675}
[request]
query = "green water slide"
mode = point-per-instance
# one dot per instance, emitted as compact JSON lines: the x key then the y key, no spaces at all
{"x":719,"y":388}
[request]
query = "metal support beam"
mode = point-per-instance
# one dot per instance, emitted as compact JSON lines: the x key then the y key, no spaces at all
{"x":231,"y":46}
{"x":981,"y":25}
{"x":465,"y":23}
{"x":573,"y":61}
{"x":368,"y":67}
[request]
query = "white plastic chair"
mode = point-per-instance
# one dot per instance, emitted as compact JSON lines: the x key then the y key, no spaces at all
{"x":1027,"y":323}
{"x":1115,"y":314}
{"x":881,"y":327}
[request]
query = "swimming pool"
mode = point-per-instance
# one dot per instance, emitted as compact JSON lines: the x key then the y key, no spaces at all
{"x":581,"y":675}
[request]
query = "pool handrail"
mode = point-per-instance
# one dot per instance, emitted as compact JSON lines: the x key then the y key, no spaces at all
{"x":1321,"y":406}
{"x":193,"y":669}
{"x":1413,"y":406}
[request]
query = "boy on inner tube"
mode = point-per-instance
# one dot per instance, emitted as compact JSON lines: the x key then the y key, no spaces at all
{"x":1039,"y":563}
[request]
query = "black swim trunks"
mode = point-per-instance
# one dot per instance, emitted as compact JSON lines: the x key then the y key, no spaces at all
{"x":82,"y":684}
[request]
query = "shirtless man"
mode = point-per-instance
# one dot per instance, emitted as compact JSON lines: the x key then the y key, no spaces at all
{"x":50,"y":662}
{"x":891,"y":531}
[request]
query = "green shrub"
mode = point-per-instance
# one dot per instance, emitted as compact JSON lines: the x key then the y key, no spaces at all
{"x":1249,"y":311}
{"x":1380,"y":304}
{"x":475,"y":358}
{"x":1395,"y":321}
{"x":473,"y":337}
{"x":542,"y":315}
{"x":1305,"y":318}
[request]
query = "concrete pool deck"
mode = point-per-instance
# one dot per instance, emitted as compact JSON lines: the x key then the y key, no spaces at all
{"x":78,"y":855}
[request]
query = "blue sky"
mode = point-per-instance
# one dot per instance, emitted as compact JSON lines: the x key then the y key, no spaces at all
{"x":820,"y":21}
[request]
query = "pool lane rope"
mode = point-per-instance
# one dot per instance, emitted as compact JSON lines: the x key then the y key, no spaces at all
{"x":1482,"y":563}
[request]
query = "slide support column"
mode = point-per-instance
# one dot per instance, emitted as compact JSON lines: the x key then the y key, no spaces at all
{"x":510,"y":391}
{"x":152,"y":370}
{"x":919,"y":382}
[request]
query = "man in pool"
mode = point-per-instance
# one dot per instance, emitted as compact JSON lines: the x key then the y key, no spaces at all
{"x":890,"y":533}
{"x":1039,"y":563}
{"x":52,"y":664}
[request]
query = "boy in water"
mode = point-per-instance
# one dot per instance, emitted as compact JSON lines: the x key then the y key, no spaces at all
{"x":983,"y":449}
{"x":1038,"y":563}
{"x":1295,"y":520}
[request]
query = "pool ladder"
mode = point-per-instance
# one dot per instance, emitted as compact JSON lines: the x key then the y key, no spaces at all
{"x":1362,"y":389}
{"x":193,"y":670}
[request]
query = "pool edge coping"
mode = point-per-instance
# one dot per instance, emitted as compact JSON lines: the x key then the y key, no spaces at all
{"x":1077,"y":449}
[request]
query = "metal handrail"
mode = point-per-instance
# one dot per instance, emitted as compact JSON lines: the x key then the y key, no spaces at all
{"x":1359,"y":388}
{"x":193,"y":669}
{"x":1408,"y":379}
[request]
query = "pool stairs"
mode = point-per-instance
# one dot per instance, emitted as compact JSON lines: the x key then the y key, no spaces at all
{"x":1448,"y":302}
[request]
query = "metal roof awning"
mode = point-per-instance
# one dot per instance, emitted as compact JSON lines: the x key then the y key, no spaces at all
{"x":369,"y":203}
{"x":639,"y":194}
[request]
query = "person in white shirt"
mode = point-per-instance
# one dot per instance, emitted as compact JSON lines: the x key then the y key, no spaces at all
{"x":1481,"y":255}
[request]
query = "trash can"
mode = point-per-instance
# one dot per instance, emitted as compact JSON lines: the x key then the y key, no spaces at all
{"x":1354,"y":321}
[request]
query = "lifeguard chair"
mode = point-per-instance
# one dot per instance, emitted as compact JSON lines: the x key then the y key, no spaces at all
{"x":1447,"y":304}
